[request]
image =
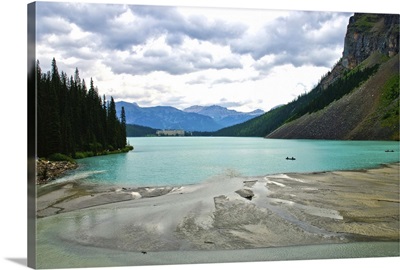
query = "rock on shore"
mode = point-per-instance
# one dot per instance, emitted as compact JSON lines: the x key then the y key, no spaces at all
{"x":49,"y":170}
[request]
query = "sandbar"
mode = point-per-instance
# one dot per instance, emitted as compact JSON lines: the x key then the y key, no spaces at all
{"x":224,"y":213}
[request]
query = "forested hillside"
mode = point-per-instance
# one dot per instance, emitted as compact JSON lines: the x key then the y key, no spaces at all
{"x":139,"y":131}
{"x":73,"y":119}
{"x":314,"y":101}
{"x":369,"y":112}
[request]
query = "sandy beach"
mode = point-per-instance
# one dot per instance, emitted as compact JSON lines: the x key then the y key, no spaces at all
{"x":227,"y":213}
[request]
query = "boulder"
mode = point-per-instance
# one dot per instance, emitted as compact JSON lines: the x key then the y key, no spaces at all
{"x":245,"y":193}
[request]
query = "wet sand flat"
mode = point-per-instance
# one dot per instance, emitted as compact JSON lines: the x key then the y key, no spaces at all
{"x":225,"y":213}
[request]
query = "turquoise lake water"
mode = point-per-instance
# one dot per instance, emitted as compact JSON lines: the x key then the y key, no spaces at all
{"x":159,"y":161}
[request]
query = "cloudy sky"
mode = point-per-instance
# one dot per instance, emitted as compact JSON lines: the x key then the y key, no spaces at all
{"x":243,"y":59}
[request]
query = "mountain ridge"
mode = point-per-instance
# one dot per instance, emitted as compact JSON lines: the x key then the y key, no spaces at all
{"x":371,"y":39}
{"x":223,"y":116}
{"x":361,"y":124}
{"x":165,"y":117}
{"x":194,"y":118}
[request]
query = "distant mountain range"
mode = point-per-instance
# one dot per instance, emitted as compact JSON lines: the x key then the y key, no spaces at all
{"x":195,"y":118}
{"x":223,"y":116}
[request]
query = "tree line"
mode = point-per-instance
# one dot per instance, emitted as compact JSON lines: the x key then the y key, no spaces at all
{"x":73,"y":119}
{"x":317,"y":99}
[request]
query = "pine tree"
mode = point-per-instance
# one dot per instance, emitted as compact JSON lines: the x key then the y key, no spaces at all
{"x":123,"y":128}
{"x":111,"y":125}
{"x":54,"y":124}
{"x":41,"y":111}
{"x":65,"y":116}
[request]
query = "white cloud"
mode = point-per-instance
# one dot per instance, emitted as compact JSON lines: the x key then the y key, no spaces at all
{"x":154,"y":55}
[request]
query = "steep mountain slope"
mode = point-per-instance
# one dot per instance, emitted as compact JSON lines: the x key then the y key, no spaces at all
{"x":370,"y":111}
{"x":359,"y":115}
{"x":358,"y":99}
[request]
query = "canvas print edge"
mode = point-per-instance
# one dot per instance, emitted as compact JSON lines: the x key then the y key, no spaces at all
{"x":31,"y":166}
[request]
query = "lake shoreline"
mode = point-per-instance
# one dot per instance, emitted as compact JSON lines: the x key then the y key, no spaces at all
{"x":47,"y":171}
{"x":288,"y":209}
{"x":50,"y":170}
{"x":183,"y":161}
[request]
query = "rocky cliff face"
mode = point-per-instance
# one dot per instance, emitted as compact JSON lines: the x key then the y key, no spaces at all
{"x":368,"y":33}
{"x":363,"y":113}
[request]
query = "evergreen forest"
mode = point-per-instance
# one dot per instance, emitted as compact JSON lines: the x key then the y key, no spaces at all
{"x":73,"y":120}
